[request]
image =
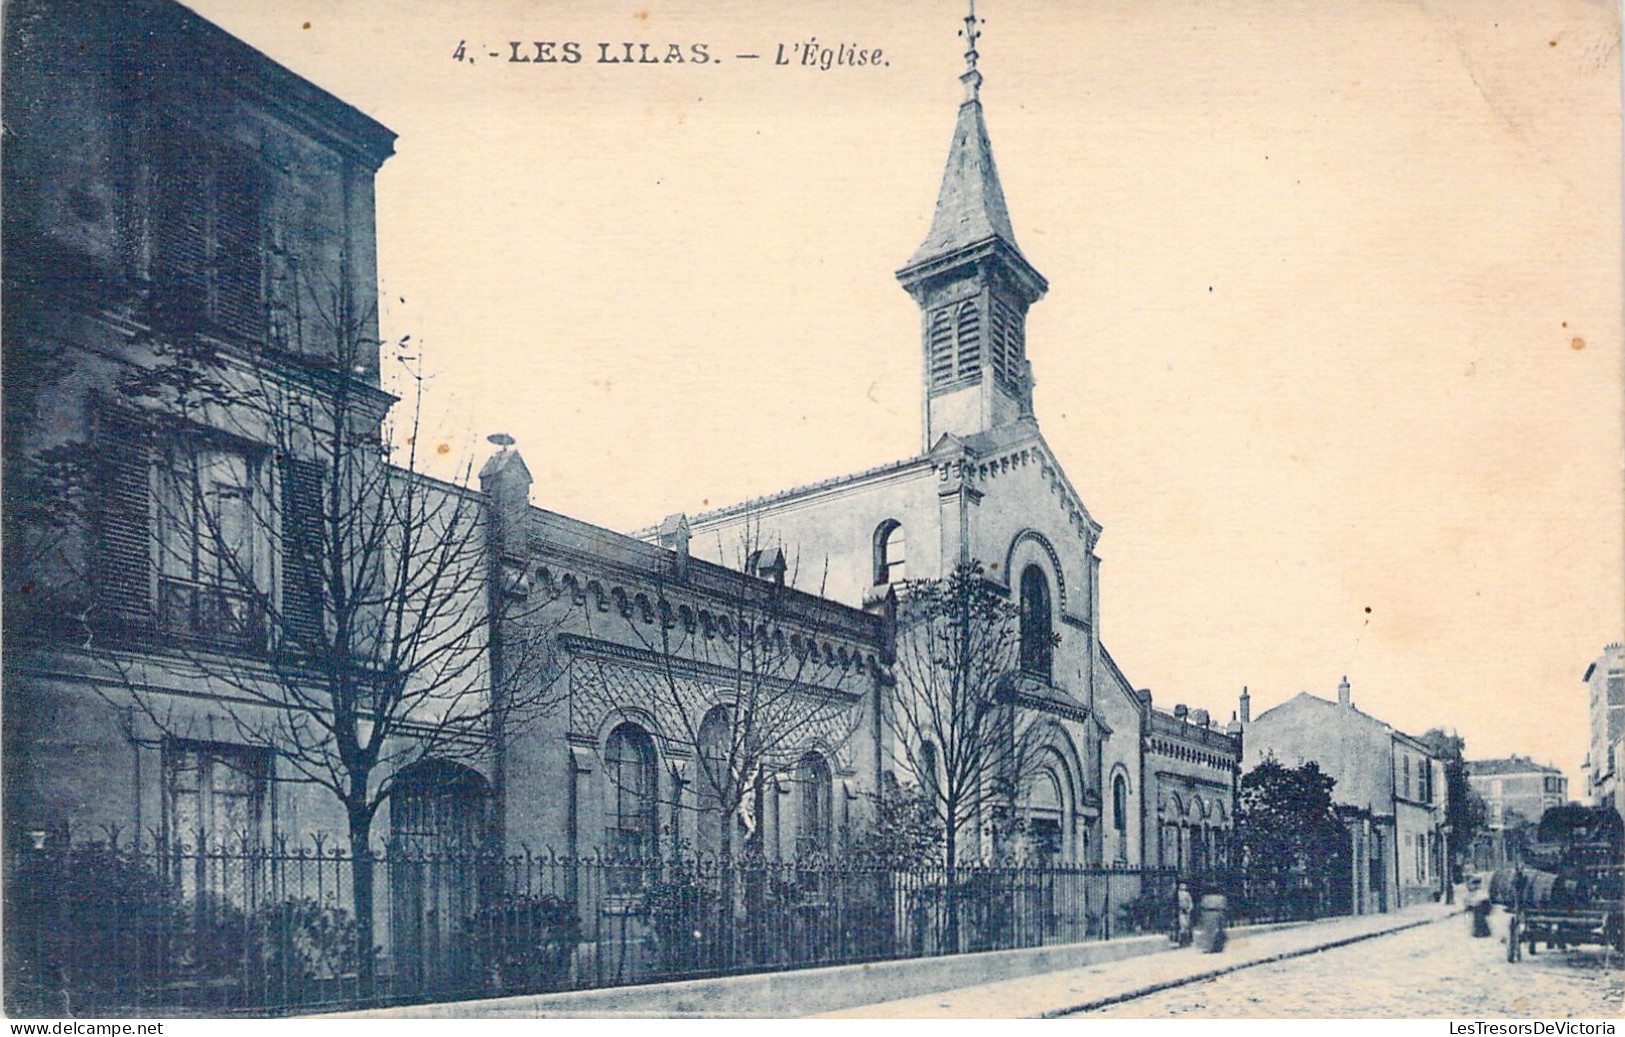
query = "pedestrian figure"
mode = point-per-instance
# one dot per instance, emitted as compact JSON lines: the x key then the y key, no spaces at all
{"x":1183,"y":935}
{"x":1210,"y":936}
{"x":1478,"y":906}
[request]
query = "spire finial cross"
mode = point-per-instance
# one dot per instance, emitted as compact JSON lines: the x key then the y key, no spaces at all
{"x":971,"y":77}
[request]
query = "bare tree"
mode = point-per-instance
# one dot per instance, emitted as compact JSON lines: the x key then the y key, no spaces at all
{"x":953,"y":720}
{"x":337,"y":599}
{"x":754,"y":683}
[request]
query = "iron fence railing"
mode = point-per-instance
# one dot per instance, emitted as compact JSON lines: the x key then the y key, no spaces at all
{"x":213,"y":928}
{"x":1253,"y":898}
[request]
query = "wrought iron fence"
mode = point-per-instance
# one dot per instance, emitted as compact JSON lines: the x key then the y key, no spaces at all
{"x":1293,"y":897}
{"x":243,"y":929}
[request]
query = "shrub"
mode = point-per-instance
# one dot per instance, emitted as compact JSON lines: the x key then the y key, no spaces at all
{"x":303,"y":941}
{"x":1146,"y":913}
{"x":88,"y":926}
{"x":523,"y":944}
{"x":683,"y":917}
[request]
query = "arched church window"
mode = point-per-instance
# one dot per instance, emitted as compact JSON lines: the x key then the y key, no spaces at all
{"x":629,"y":763}
{"x":889,"y":553}
{"x":813,"y":781}
{"x":713,"y":780}
{"x":968,"y":336}
{"x":928,"y":769}
{"x":1120,"y":803}
{"x":1036,"y":648}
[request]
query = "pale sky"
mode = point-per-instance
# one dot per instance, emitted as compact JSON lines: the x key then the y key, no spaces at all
{"x":1332,"y":347}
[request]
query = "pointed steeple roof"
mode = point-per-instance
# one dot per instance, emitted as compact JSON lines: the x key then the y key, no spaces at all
{"x":971,"y":220}
{"x":970,"y":203}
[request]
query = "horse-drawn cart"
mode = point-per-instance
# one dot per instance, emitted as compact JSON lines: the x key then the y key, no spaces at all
{"x":1569,"y":889}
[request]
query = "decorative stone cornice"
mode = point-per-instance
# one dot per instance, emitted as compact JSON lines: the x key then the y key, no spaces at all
{"x":593,"y":648}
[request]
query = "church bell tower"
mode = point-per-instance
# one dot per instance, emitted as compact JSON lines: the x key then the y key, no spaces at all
{"x":973,"y":285}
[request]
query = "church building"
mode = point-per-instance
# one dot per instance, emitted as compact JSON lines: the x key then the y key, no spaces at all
{"x":987,"y":488}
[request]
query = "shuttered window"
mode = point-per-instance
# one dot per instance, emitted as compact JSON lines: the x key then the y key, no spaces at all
{"x":213,"y":542}
{"x":208,"y":249}
{"x":302,"y":627}
{"x":187,"y":527}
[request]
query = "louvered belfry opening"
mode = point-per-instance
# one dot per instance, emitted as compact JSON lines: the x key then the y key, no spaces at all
{"x":958,"y":349}
{"x":968,"y":338}
{"x":941,"y":345}
{"x":1005,"y":344}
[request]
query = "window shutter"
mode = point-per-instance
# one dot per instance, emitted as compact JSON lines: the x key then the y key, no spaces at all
{"x":180,"y":268}
{"x":238,"y":300}
{"x":124,"y":520}
{"x":302,"y":627}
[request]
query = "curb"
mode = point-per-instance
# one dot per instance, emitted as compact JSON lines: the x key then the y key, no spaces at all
{"x":1138,"y":992}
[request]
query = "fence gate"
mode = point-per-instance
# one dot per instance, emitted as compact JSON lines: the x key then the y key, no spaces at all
{"x":437,"y":828}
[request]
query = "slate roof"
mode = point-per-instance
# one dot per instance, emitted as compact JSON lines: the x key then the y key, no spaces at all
{"x":1508,"y":765}
{"x":970,"y":204}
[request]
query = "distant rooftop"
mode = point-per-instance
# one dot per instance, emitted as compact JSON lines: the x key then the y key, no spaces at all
{"x":1509,"y":765}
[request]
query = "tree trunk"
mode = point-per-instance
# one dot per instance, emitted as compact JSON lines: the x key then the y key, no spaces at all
{"x":950,"y":857}
{"x":361,"y":889}
{"x":728,"y":893}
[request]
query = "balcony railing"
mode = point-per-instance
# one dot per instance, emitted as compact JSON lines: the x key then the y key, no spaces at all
{"x":211,"y":614}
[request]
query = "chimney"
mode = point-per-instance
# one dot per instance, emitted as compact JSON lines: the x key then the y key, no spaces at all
{"x":1343,"y":692}
{"x":1246,"y":706}
{"x":1180,"y":711}
{"x":506,"y":482}
{"x":674,"y":536}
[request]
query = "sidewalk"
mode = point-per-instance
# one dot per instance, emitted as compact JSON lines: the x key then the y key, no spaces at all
{"x":1078,"y":990}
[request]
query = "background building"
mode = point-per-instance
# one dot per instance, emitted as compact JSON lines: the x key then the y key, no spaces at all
{"x":1516,"y":791}
{"x":1192,"y":768}
{"x":1605,"y":682}
{"x":200,"y":194}
{"x":1516,"y":787}
{"x":1390,"y":789}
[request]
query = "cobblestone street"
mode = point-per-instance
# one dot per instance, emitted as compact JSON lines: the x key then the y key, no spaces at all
{"x":1434,"y":971}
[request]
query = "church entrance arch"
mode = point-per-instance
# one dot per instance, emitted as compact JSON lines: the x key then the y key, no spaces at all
{"x":1044,"y":810}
